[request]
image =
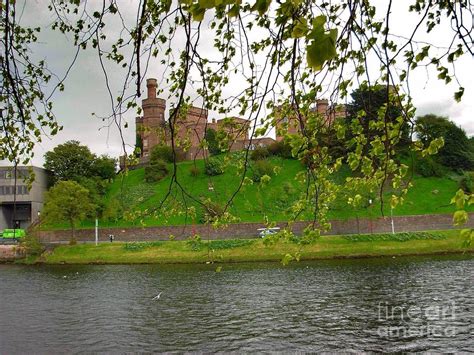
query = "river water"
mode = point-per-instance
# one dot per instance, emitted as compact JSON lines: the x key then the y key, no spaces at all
{"x":401,"y":304}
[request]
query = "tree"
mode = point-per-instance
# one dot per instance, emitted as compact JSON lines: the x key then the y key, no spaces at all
{"x":251,"y":58}
{"x":367,"y":107}
{"x":457,"y":152}
{"x":73,"y":161}
{"x":104,"y":167}
{"x":69,"y":202}
{"x":69,"y":161}
{"x":212,"y":142}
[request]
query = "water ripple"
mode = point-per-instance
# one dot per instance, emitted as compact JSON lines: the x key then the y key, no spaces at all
{"x":307,"y":307}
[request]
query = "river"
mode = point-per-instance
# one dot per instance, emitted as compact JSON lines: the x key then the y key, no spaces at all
{"x":387,"y":304}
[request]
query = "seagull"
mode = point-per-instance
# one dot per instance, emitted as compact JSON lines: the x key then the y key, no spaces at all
{"x":157,"y":297}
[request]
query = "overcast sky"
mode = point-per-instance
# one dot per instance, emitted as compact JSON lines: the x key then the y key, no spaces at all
{"x":86,"y":93}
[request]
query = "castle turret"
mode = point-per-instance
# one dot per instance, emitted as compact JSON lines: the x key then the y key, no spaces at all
{"x":153,"y":120}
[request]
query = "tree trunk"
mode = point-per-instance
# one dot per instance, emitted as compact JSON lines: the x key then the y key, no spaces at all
{"x":73,"y":231}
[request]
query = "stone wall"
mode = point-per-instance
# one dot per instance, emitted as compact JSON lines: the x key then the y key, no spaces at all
{"x":249,"y":230}
{"x":11,"y":252}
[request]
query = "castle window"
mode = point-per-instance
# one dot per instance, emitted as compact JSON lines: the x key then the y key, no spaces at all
{"x":145,"y":143}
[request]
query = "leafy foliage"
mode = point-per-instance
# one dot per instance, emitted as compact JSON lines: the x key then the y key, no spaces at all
{"x":73,"y":161}
{"x":261,"y":168}
{"x":69,"y":161}
{"x":156,"y":171}
{"x":32,"y":245}
{"x":68,"y":201}
{"x":212,"y":141}
{"x":161,"y":152}
{"x":456,"y":152}
{"x":429,"y":167}
{"x":280,"y":149}
{"x":259,"y":153}
{"x":397,"y":237}
{"x":467,"y":182}
{"x":214,"y":166}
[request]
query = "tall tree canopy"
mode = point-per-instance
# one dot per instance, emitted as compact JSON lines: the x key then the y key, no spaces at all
{"x":73,"y":161}
{"x":68,"y":202}
{"x":255,"y":58}
{"x":457,"y":152}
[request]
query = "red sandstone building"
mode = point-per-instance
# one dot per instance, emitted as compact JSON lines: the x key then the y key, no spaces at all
{"x":190,"y":127}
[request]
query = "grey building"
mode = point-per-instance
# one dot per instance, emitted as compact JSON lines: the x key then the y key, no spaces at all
{"x":21,"y":209}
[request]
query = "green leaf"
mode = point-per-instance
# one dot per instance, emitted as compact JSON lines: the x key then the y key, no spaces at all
{"x":197,"y":12}
{"x":234,"y":11}
{"x":458,"y":94}
{"x":460,"y":217}
{"x":459,"y":199}
{"x":320,"y":51}
{"x":166,"y":5}
{"x":286,"y":259}
{"x":207,"y":4}
{"x":300,"y":28}
{"x":261,"y":6}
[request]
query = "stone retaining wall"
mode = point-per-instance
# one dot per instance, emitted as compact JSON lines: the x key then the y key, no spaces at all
{"x":249,"y":230}
{"x":11,"y":252}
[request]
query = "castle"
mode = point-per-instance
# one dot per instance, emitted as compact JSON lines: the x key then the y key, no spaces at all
{"x":190,"y":128}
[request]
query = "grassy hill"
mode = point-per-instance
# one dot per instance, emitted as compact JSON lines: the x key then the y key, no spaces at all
{"x":428,"y":196}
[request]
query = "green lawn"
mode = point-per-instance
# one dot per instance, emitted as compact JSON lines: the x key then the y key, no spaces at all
{"x":256,"y":250}
{"x":428,"y":196}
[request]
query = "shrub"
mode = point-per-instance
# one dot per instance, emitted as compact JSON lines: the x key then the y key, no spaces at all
{"x":194,"y":171}
{"x":155,"y":172}
{"x":428,"y":167}
{"x":260,"y":168}
{"x":230,"y":244}
{"x":398,"y":237}
{"x":467,"y":182}
{"x":195,"y":243}
{"x":214,"y":167}
{"x":32,"y":245}
{"x":165,"y":153}
{"x":259,"y":153}
{"x":281,"y":149}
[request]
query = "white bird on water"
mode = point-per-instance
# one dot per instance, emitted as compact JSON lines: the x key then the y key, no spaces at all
{"x":157,"y":297}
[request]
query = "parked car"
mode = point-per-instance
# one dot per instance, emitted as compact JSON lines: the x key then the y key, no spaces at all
{"x":263,"y":232}
{"x":13,"y":233}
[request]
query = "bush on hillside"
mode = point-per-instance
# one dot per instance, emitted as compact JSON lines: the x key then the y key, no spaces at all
{"x":214,"y":167}
{"x":259,"y":153}
{"x":280,"y":149}
{"x":194,"y":171}
{"x":261,"y":168}
{"x":155,"y":172}
{"x":161,"y":152}
{"x":467,"y":182}
{"x":428,"y":167}
{"x":165,"y":153}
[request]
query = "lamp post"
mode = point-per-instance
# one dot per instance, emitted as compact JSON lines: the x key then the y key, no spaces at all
{"x":391,"y":220}
{"x":39,"y":225}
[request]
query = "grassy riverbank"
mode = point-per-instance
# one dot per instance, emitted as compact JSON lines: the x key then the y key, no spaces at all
{"x":244,"y":250}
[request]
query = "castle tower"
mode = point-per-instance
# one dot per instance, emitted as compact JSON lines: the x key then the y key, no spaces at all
{"x":151,"y":127}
